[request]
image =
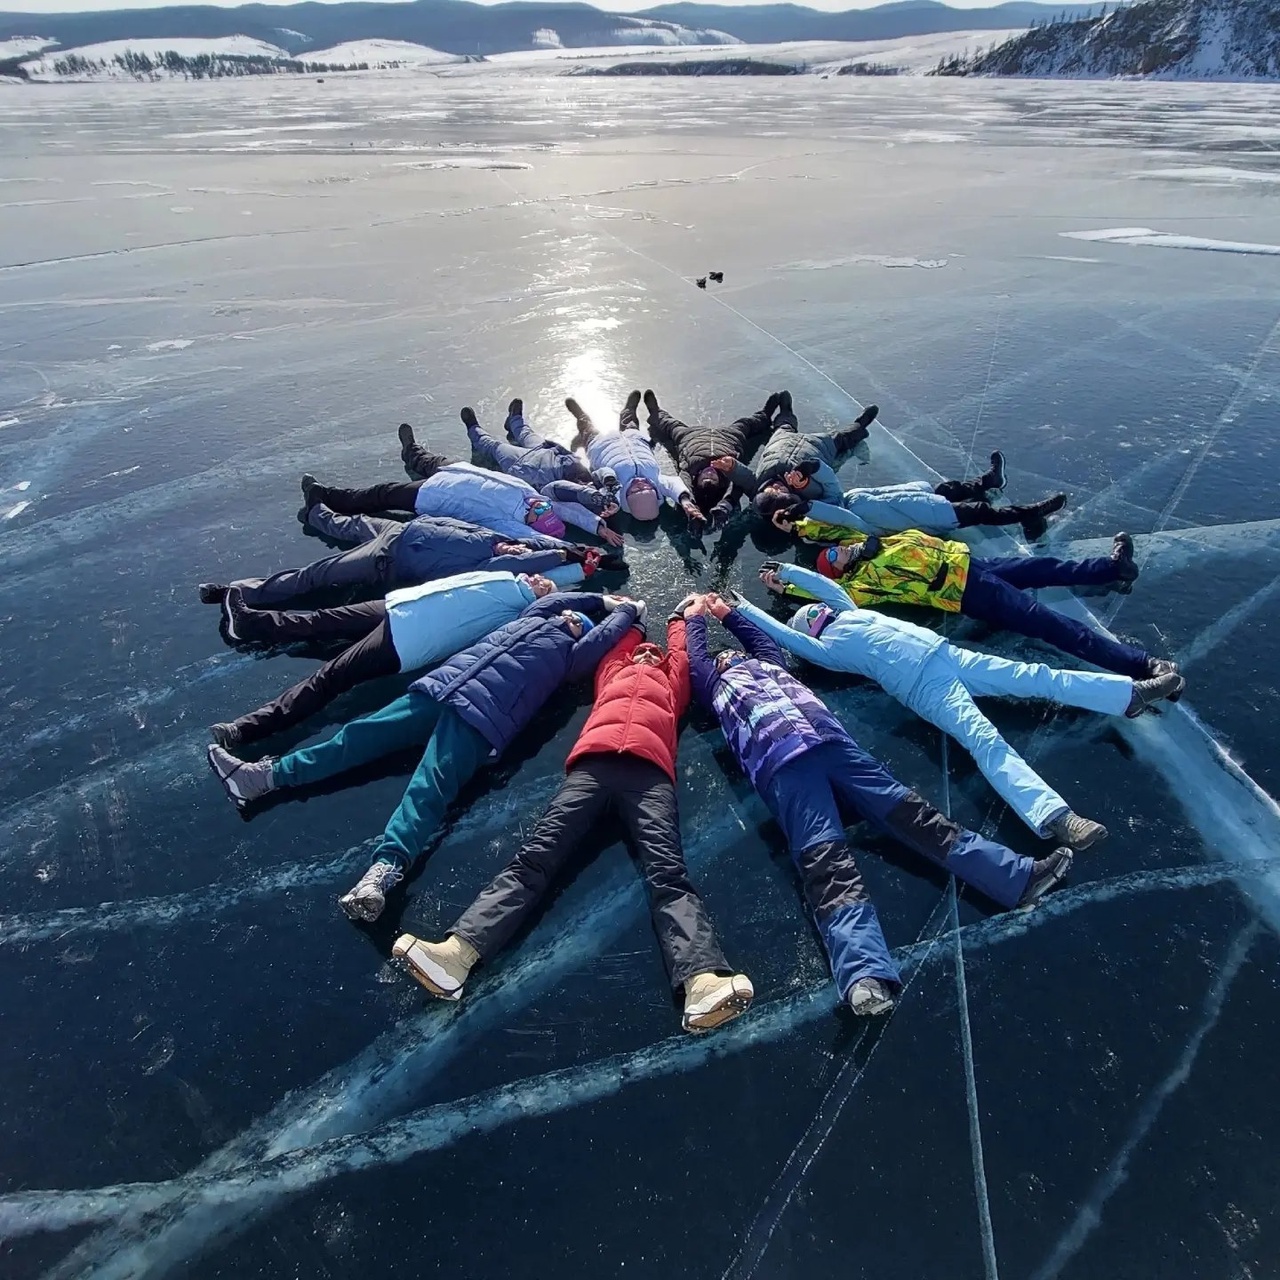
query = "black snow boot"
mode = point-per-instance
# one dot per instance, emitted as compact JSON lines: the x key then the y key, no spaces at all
{"x":212,"y":592}
{"x":993,"y":480}
{"x":514,"y":410}
{"x":651,"y":406}
{"x":1122,"y":558}
{"x":786,"y":411}
{"x":1034,"y":517}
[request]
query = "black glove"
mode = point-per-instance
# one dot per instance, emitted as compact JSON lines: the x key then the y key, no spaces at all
{"x":869,"y":549}
{"x":797,"y":510}
{"x":576,"y":554}
{"x":770,"y":566}
{"x":720,"y":514}
{"x":612,"y":560}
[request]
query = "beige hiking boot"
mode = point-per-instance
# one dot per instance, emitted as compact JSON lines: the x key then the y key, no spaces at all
{"x":711,"y":1000}
{"x":441,"y":967}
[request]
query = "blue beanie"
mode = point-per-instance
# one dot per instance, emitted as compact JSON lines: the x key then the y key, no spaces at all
{"x":587,"y":624}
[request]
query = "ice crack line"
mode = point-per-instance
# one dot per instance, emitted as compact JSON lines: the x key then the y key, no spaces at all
{"x":241,"y":1190}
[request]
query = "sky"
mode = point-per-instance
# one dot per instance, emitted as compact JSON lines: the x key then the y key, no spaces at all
{"x":619,"y":6}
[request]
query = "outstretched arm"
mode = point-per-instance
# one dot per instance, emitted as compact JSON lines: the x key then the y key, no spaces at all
{"x":570,"y":491}
{"x":702,"y":670}
{"x":754,"y":641}
{"x":832,"y":594}
{"x":792,"y":641}
{"x":592,"y":648}
{"x":829,"y":513}
{"x":678,"y":663}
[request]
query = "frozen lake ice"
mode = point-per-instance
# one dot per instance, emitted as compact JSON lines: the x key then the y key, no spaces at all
{"x":207,"y":289}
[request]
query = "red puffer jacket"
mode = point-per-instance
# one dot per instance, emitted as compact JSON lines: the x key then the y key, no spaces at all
{"x":638,"y":706}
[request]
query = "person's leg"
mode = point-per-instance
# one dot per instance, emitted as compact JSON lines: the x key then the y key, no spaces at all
{"x":454,"y":754}
{"x":392,"y":495}
{"x":867,"y":787}
{"x":1031,"y":572}
{"x":367,"y":659}
{"x":803,"y":803}
{"x":650,"y":815}
{"x":942,"y":699}
{"x":353,"y":529}
{"x":497,"y":453}
{"x":279,"y":626}
{"x":501,"y":909}
{"x":520,"y":431}
{"x":587,"y":430}
{"x":662,"y":429}
{"x":369,"y":565}
{"x":755,"y":426}
{"x":406,"y":722}
{"x":992,"y":599}
{"x":986,"y":676}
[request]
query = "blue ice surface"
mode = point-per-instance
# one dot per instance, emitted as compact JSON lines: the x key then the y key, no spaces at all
{"x":191,"y":315}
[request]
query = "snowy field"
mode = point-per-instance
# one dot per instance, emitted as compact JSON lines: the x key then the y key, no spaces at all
{"x":207,"y":289}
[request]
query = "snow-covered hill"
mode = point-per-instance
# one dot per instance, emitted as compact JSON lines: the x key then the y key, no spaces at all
{"x":1168,"y":39}
{"x":380,"y":53}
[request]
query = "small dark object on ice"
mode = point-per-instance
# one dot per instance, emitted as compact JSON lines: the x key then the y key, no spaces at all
{"x":716,"y":277}
{"x":701,"y":282}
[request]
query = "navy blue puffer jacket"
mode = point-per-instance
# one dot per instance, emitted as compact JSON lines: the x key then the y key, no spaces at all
{"x":501,"y":682}
{"x":433,"y":547}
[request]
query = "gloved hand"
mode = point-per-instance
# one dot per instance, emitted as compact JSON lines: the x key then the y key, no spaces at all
{"x":678,"y":611}
{"x":869,"y":549}
{"x":720,"y":514}
{"x":611,"y":560}
{"x":769,"y":566}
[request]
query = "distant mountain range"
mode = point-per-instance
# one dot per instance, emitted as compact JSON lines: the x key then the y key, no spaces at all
{"x":1171,"y":39}
{"x":461,"y":27}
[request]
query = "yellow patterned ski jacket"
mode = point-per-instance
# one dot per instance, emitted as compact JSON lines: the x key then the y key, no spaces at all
{"x":910,"y":568}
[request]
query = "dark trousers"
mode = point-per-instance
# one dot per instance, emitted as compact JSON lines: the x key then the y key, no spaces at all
{"x":643,"y":799}
{"x":969,"y":514}
{"x":371,"y":656}
{"x":370,"y":565}
{"x":392,"y":495}
{"x":812,"y":797}
{"x":996,"y":592}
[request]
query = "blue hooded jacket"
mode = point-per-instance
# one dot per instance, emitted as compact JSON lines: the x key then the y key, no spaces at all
{"x":499,"y":684}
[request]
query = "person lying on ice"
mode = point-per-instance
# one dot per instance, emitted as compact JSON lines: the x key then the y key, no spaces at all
{"x":709,"y":459}
{"x":893,"y":508}
{"x":807,"y":463}
{"x":939,"y":681}
{"x":914,"y":568}
{"x":621,"y":769}
{"x":466,"y":713}
{"x":628,"y":458}
{"x":473,"y":494}
{"x":532,"y":458}
{"x":813,"y":777}
{"x":393,"y":553}
{"x":416,"y":627}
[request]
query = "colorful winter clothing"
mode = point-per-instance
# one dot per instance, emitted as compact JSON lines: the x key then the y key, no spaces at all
{"x":623,"y":764}
{"x":466,"y":714}
{"x":813,"y":777}
{"x":638,"y":706}
{"x":938,"y":681}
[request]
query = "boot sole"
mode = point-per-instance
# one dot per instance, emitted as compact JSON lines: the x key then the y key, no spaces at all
{"x":222,"y":782}
{"x":401,"y":956}
{"x":1056,"y":881}
{"x":354,"y":911}
{"x":734,"y":1007}
{"x":1097,"y":838}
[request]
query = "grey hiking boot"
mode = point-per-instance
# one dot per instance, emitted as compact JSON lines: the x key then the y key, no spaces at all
{"x":869,"y":997}
{"x":1162,"y":667}
{"x":1156,"y":689}
{"x":1046,"y":875}
{"x":996,"y":476}
{"x":312,"y":491}
{"x":369,"y":896}
{"x":226,"y":735}
{"x":1076,"y":832}
{"x":244,"y":781}
{"x":212,"y":592}
{"x":712,"y":999}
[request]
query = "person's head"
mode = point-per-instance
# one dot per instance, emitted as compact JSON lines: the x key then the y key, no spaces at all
{"x":811,"y":619}
{"x":541,"y":586}
{"x":709,"y":486}
{"x":577,"y":623}
{"x":833,"y":561}
{"x":642,"y":499}
{"x":539,"y":515}
{"x":777,"y":504}
{"x":648,"y":655}
{"x":727,"y":658}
